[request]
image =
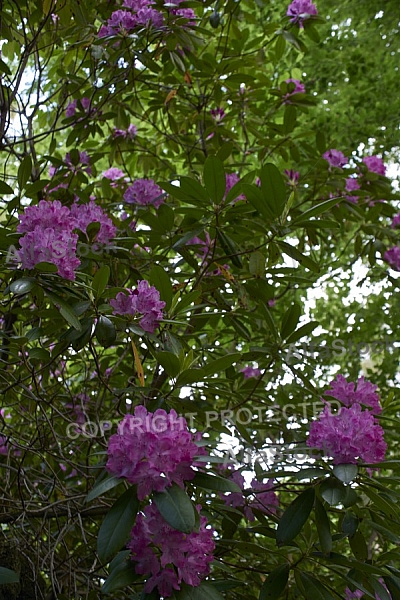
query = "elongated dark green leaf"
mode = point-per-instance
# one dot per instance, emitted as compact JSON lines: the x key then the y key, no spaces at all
{"x":120,"y":577}
{"x":5,"y":188}
{"x":102,"y":485}
{"x":273,"y":188}
{"x":214,"y":178}
{"x":275,"y":583}
{"x":332,"y":491}
{"x":169,"y":362}
{"x":194,"y":192}
{"x":323,"y":527}
{"x":255,"y":196}
{"x":317,"y":210}
{"x":66,"y":311}
{"x":387,"y":507}
{"x":215,"y":482}
{"x":305,"y":261}
{"x":359,"y":546}
{"x":350,"y":523}
{"x":302,"y":331}
{"x":205,"y":591}
{"x":24,"y":171}
{"x":294,"y":517}
{"x":314,"y":589}
{"x":230,"y":248}
{"x":116,"y":527}
{"x":220,"y":364}
{"x":100,"y":280}
{"x":290,"y":320}
{"x":160,"y":279}
{"x":8,"y":576}
{"x":105,"y":331}
{"x":22,"y":286}
{"x":176,"y":507}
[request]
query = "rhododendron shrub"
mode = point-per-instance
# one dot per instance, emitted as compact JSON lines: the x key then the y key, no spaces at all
{"x":199,"y":300}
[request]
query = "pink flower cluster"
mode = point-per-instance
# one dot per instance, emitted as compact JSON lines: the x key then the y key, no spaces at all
{"x":264,"y":498}
{"x":122,"y":22}
{"x":48,"y":233}
{"x":170,"y":556}
{"x":144,"y":192}
{"x":392,"y":256}
{"x":335,"y":158}
{"x":353,"y":433}
{"x":144,"y":300}
{"x":152,"y":450}
{"x":375,"y":164}
{"x":300,"y":10}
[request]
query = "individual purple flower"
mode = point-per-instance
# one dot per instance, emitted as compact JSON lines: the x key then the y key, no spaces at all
{"x":350,"y":436}
{"x":251,"y":372}
{"x":144,"y":192}
{"x":348,"y":394}
{"x":186,"y":13}
{"x":169,"y":556}
{"x":374,"y":164}
{"x":352,"y":185}
{"x":231,"y":180}
{"x":130,"y":133}
{"x":84,"y":160}
{"x":113,"y":174}
{"x":121,"y":22}
{"x":396,"y":221}
{"x":335,"y":158}
{"x":145,"y":300}
{"x":71,"y":108}
{"x":84,"y":214}
{"x":53,"y":246}
{"x":392,"y":256}
{"x":293,"y":176}
{"x":271,"y":302}
{"x":349,"y":595}
{"x":300,"y":10}
{"x":299,"y":88}
{"x":217,"y":114}
{"x":152,"y":450}
{"x":136,"y":5}
{"x":3,"y":445}
{"x":149,"y":17}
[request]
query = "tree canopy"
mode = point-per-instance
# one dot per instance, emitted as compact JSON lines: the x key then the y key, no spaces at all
{"x":199,"y":300}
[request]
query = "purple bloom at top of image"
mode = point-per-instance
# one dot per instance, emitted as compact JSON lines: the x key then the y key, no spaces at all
{"x":396,"y":221}
{"x":347,"y":393}
{"x":84,"y":214}
{"x":335,"y":158}
{"x":136,"y":5}
{"x":46,"y":214}
{"x":374,"y":164}
{"x":300,"y":10}
{"x":149,"y":16}
{"x":121,"y":21}
{"x":113,"y":173}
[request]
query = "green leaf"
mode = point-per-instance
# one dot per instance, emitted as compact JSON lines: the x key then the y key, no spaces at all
{"x":387,"y":507}
{"x":100,"y":280}
{"x":257,"y":263}
{"x":350,"y":523}
{"x":5,"y":188}
{"x":214,"y":178}
{"x":256,"y":198}
{"x":169,"y":362}
{"x":121,"y":576}
{"x":220,"y":364}
{"x":230,"y":248}
{"x":215,"y":482}
{"x":8,"y":576}
{"x":305,"y":261}
{"x":46,"y":267}
{"x":332,"y":491}
{"x":359,"y":546}
{"x":323,"y":527}
{"x":302,"y":331}
{"x":22,"y":286}
{"x":194,"y":192}
{"x":294,"y":517}
{"x":176,"y":508}
{"x":105,"y":331}
{"x":116,"y":527}
{"x":345,"y":473}
{"x":290,"y":320}
{"x":289,"y":119}
{"x":65,"y":310}
{"x":24,"y":171}
{"x":102,"y":485}
{"x":205,"y":591}
{"x":273,"y":188}
{"x":160,"y":279}
{"x":275,"y":583}
{"x":317,"y":210}
{"x":314,"y":589}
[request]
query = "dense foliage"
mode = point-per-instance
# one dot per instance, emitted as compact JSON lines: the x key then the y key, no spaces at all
{"x":199,"y":300}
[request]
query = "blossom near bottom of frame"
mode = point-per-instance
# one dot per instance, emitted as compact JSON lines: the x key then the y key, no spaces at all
{"x":167,"y":556}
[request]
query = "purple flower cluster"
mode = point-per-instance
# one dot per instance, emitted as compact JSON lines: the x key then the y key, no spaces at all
{"x":392,"y":256}
{"x":374,"y":164}
{"x":152,"y":450}
{"x":130,"y":133}
{"x":217,"y":114}
{"x":353,"y":433}
{"x":300,"y":10}
{"x":48,"y":233}
{"x":352,"y":185}
{"x":231,"y":180}
{"x":144,"y":300}
{"x":396,"y":221}
{"x":122,"y":22}
{"x":113,"y":174}
{"x":144,"y":192}
{"x":250,"y":372}
{"x":170,"y":556}
{"x":85,"y":103}
{"x":293,"y":176}
{"x":335,"y":158}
